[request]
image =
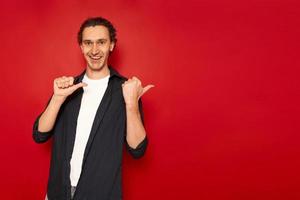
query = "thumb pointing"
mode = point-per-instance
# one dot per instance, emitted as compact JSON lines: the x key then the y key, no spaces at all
{"x":81,"y":84}
{"x":145,"y":89}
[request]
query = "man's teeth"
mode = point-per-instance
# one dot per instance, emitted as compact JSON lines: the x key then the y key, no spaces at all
{"x":95,"y":58}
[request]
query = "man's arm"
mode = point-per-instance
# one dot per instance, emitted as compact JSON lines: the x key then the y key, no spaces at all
{"x":62,"y":88}
{"x":136,"y":132}
{"x":48,"y":117}
{"x":136,"y":137}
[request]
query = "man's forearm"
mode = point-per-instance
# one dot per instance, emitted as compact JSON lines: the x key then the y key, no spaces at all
{"x":135,"y":128}
{"x":48,"y":118}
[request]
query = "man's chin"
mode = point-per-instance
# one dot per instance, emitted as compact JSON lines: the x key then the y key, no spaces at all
{"x":96,"y":67}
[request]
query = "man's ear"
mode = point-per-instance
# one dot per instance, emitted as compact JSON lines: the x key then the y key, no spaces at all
{"x":112,"y":46}
{"x":81,"y":47}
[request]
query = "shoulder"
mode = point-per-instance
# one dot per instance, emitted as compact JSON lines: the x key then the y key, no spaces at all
{"x":115,"y":75}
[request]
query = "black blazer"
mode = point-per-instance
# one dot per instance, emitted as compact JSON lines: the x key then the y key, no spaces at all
{"x":100,"y":177}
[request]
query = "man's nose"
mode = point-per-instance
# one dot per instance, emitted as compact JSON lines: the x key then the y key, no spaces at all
{"x":95,"y":48}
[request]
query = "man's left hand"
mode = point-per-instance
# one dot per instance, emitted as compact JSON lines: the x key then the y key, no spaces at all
{"x":133,"y":90}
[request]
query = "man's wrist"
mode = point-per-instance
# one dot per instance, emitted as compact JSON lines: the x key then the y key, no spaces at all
{"x":58,"y":100}
{"x":132,"y":107}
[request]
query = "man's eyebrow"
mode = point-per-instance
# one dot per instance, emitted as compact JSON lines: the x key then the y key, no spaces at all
{"x":101,"y":39}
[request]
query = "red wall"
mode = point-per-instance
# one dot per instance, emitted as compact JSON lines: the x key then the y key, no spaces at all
{"x":223,"y":119}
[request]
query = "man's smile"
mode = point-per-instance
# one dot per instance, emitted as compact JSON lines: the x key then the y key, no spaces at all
{"x":95,"y":58}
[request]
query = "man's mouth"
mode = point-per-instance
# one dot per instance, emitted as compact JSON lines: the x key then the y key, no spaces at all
{"x":95,"y":58}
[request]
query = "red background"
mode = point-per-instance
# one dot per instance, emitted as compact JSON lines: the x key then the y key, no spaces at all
{"x":222,"y":121}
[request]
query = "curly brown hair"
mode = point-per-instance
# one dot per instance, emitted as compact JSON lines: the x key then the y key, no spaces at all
{"x":96,"y":21}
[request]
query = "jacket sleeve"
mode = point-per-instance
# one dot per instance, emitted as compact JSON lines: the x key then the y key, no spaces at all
{"x":40,"y":137}
{"x":140,"y":150}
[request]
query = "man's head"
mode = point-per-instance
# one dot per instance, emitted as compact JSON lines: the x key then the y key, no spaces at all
{"x":97,"y":38}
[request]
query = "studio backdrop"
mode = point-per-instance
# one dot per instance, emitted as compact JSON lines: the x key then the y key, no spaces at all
{"x":222,"y":119}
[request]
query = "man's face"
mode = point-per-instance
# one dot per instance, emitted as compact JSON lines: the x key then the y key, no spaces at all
{"x":96,"y":46}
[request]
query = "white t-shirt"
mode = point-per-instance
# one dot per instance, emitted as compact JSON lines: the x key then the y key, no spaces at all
{"x":91,"y":98}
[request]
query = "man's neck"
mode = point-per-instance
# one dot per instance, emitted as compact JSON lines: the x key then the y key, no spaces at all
{"x":97,"y":74}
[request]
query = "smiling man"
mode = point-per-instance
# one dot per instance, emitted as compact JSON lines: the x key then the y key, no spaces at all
{"x":90,"y":117}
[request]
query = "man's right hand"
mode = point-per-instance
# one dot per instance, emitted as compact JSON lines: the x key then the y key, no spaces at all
{"x":63,"y":87}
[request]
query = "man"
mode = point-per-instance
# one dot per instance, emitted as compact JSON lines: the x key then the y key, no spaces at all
{"x":89,"y":117}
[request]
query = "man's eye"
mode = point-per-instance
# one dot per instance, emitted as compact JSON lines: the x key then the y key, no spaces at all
{"x":88,"y":43}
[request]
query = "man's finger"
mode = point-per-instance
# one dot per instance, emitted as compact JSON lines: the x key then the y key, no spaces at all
{"x":82,"y":84}
{"x":78,"y":85}
{"x":66,"y":84}
{"x":71,"y":80}
{"x":145,"y":89}
{"x":137,"y":80}
{"x":58,"y":83}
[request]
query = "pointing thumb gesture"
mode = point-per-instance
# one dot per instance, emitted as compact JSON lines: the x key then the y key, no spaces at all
{"x":145,"y":89}
{"x":132,"y":90}
{"x":64,"y":86}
